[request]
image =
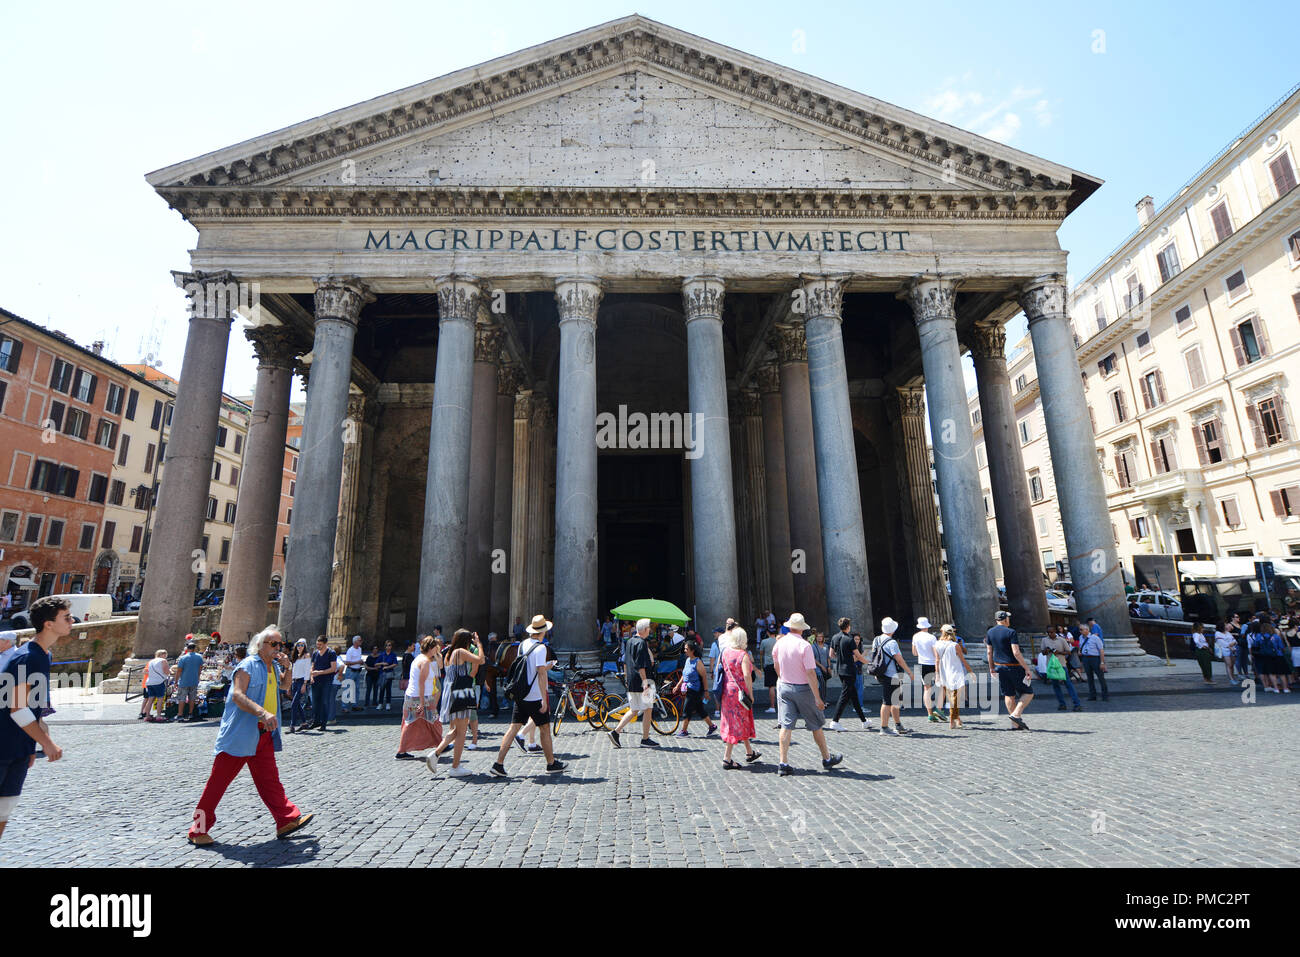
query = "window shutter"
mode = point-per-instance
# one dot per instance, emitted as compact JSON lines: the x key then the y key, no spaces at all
{"x":94,"y":381}
{"x":1257,"y":433}
{"x":1283,"y":175}
{"x":1198,"y":436}
{"x":1133,"y":528}
{"x":1123,"y":404}
{"x":1157,"y":460}
{"x":1237,"y":349}
{"x":1160,"y":386}
{"x":1147,"y":399}
{"x":1281,"y":418}
{"x":1230,"y":513}
{"x":1291,"y":499}
{"x":1260,"y":335}
{"x":56,"y":414}
{"x":1120,"y":474}
{"x":15,"y":355}
{"x":1195,"y":371}
{"x":1279,"y":507}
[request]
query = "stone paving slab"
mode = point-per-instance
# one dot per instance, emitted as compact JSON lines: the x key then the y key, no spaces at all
{"x":1156,"y":780}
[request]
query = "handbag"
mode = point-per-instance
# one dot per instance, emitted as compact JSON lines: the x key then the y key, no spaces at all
{"x":1055,"y":670}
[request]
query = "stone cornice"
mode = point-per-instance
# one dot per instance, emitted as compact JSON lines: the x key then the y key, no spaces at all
{"x":201,"y":204}
{"x":495,"y":87}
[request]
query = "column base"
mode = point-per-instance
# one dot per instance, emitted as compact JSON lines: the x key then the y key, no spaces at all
{"x":118,"y":685}
{"x":1124,"y":652}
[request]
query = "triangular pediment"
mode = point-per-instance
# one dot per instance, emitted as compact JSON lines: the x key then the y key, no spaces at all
{"x":630,"y":103}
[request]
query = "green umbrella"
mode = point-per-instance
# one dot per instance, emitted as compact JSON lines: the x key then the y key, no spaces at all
{"x":659,"y":612}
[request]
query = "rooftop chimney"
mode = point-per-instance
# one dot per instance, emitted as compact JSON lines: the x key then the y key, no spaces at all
{"x":97,"y":347}
{"x":1146,"y":207}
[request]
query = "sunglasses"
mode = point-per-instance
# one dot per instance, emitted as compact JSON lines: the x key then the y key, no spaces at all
{"x":276,"y":644}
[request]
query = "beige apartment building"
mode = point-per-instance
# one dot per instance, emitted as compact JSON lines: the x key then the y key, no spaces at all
{"x":1188,"y":342}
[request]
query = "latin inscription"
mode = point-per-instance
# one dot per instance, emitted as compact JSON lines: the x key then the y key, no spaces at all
{"x":616,"y":240}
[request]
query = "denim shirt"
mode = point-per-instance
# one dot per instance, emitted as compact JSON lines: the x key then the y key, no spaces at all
{"x":238,"y":735}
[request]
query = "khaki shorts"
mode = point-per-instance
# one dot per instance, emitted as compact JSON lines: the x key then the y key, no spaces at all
{"x":638,"y":701}
{"x":187,"y":695}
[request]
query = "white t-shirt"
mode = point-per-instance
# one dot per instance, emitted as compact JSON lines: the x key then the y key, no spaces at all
{"x":890,"y":645}
{"x":536,"y":662}
{"x":157,"y":669}
{"x":354,"y":657}
{"x":302,"y":668}
{"x":1222,"y":642}
{"x":923,"y":647}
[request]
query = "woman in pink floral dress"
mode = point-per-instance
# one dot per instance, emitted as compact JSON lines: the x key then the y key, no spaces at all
{"x":737,"y":720}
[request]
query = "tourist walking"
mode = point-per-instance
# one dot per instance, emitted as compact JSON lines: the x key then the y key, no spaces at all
{"x":1009,"y":664}
{"x":421,"y":729}
{"x":952,"y":671}
{"x":535,"y":705}
{"x":736,"y":694}
{"x":769,"y":670}
{"x":797,"y":693}
{"x":822,"y":653}
{"x":884,"y":648}
{"x":1093,"y":651}
{"x":155,"y":686}
{"x":1204,"y":653}
{"x":300,"y":675}
{"x":692,"y":685}
{"x":1225,"y":649}
{"x":250,"y":736}
{"x":323,"y":662}
{"x":188,"y":666}
{"x":459,"y":698}
{"x":26,"y":676}
{"x":923,"y":642}
{"x":1058,"y":670}
{"x":638,"y":666}
{"x":848,"y":659}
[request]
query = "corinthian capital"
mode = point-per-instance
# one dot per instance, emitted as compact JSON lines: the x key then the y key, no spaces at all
{"x":988,"y":340}
{"x":702,"y":297}
{"x":749,"y":403}
{"x":911,"y":401}
{"x":275,"y":346}
{"x":1043,"y":298}
{"x":578,"y":298}
{"x":789,"y":343}
{"x":823,"y":297}
{"x":931,"y":298}
{"x":524,"y":406}
{"x":216,"y":295}
{"x":768,"y":378}
{"x":458,"y":298}
{"x":509,"y":378}
{"x":487,"y":342}
{"x":340,"y":298}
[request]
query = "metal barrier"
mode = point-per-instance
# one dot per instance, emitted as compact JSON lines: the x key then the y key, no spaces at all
{"x":133,"y":688}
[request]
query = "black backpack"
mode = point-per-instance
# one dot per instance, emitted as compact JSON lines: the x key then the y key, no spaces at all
{"x":879,"y":663}
{"x":518,"y":683}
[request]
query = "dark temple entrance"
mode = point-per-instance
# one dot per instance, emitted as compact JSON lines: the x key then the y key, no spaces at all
{"x":642,"y":537}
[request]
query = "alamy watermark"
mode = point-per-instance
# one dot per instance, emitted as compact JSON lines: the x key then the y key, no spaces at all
{"x":654,"y":430}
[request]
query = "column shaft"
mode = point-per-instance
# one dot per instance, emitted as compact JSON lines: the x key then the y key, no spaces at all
{"x":844,"y":543}
{"x":775,"y":493}
{"x":343,"y":621}
{"x":503,"y":493}
{"x":167,"y":602}
{"x":921,"y":522}
{"x":1012,"y":508}
{"x":575,"y":471}
{"x":446,"y":498}
{"x":520,"y":509}
{"x":482,"y":471}
{"x":966,"y":531}
{"x":257,"y":514}
{"x":754,"y":479}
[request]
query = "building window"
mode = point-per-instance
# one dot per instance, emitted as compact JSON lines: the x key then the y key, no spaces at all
{"x":1222,"y":221}
{"x":148,"y":458}
{"x":142,"y":497}
{"x":1143,"y":342}
{"x":1195,"y":368}
{"x":137,"y":534}
{"x":1293,"y":248}
{"x":211,"y":510}
{"x":106,"y":434}
{"x":1108,"y":365}
{"x":1286,"y":501}
{"x":122,"y":450}
{"x":288,"y":516}
{"x":76,"y":423}
{"x":1163,"y":455}
{"x":8,"y":526}
{"x":239,"y":443}
{"x":1236,"y":286}
{"x":1035,"y":486}
{"x":221,"y":436}
{"x":225,"y":550}
{"x":4,"y":387}
{"x":61,"y":377}
{"x":1153,"y":388}
{"x":1208,"y":436}
{"x":1283,"y":175}
{"x":1099,"y":310}
{"x":1136,"y":292}
{"x":157,"y":414}
{"x":1183,"y":318}
{"x":110,"y":530}
{"x":284,"y":545}
{"x":87,"y":538}
{"x":98,"y":488}
{"x":1268,"y":422}
{"x":216,"y":471}
{"x":293,"y":488}
{"x":1231,"y":514}
{"x":230,"y":512}
{"x":54,"y":534}
{"x":975,"y":417}
{"x":1049,"y":560}
{"x":171,"y":407}
{"x":979,"y":457}
{"x":1168,"y":261}
{"x":234,"y":476}
{"x":1092,"y":419}
{"x":293,"y":466}
{"x":1042,"y":526}
{"x":1119,"y":405}
{"x":32,"y":533}
{"x":1022,"y":380}
{"x":116,"y":492}
{"x":131,"y":401}
{"x":84,"y":390}
{"x":113,"y":401}
{"x":11,"y":351}
{"x":1139,"y":528}
{"x":1249,"y":342}
{"x":1125,"y":468}
{"x":1024,"y":431}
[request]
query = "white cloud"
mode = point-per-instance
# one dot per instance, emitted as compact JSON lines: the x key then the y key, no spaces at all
{"x":996,"y":117}
{"x":1005,"y":129}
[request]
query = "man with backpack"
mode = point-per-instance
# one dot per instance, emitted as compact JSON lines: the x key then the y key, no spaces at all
{"x":886,"y":659}
{"x":848,"y":665}
{"x":526,"y":689}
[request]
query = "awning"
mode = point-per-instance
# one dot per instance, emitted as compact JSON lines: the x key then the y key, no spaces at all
{"x":22,"y":582}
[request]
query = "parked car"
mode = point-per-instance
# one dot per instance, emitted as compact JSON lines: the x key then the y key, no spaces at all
{"x":83,"y":607}
{"x":1059,"y":600}
{"x":1156,"y":604}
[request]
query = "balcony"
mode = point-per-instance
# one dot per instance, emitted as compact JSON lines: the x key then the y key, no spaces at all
{"x":1176,"y":482}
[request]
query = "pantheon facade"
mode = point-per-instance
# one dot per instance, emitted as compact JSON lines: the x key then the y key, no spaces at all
{"x":626,"y":314}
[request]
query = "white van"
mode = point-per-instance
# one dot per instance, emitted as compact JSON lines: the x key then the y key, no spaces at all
{"x":81,"y":607}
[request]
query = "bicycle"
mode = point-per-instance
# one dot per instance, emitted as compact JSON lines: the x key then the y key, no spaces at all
{"x":664,"y":716}
{"x":584,"y":700}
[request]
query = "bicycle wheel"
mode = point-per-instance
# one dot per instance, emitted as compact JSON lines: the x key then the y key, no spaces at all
{"x":612,"y":709}
{"x":558,"y":717}
{"x":591,"y":709}
{"x":664,"y":716}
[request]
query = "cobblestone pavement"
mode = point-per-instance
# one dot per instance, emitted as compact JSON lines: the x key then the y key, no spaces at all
{"x":1189,"y":778}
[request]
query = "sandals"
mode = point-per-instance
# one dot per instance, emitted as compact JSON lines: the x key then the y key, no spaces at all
{"x":751,"y":758}
{"x":730,"y":765}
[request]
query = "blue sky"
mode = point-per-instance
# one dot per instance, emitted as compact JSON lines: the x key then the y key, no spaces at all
{"x":1138,"y":94}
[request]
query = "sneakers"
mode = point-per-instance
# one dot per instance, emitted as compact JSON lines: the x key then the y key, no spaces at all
{"x":866,"y":725}
{"x":431,"y":762}
{"x":834,"y":759}
{"x":886,"y":729}
{"x":555,"y":767}
{"x":533,"y":749}
{"x":713,"y":730}
{"x":649,"y":743}
{"x":470,"y":746}
{"x":498,"y":770}
{"x":783,"y":769}
{"x":1061,"y":707}
{"x":460,"y":772}
{"x":771,"y":711}
{"x":901,"y":729}
{"x":406,"y":756}
{"x":934,"y":717}
{"x":681,"y":734}
{"x":834,"y":726}
{"x":1078,"y":707}
{"x":523,"y":745}
{"x":613,"y":736}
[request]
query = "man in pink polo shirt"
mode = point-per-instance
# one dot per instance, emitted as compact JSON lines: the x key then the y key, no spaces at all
{"x":796,"y":693}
